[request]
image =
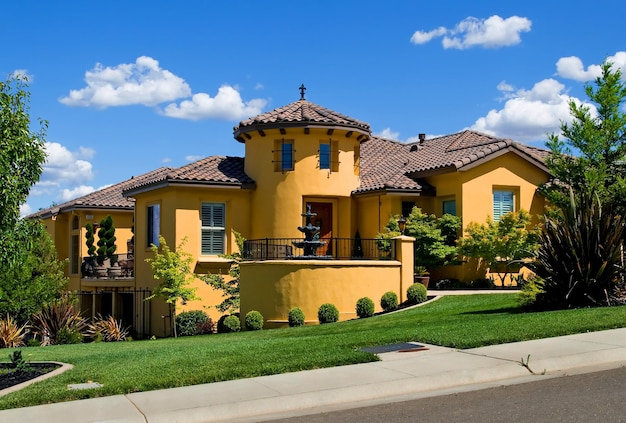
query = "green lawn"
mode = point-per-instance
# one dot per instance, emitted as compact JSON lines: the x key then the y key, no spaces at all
{"x":454,"y":321}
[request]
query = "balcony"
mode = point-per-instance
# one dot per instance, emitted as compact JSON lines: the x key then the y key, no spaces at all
{"x":332,"y":249}
{"x":124,"y":268}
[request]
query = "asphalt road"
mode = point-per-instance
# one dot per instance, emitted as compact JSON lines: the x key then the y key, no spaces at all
{"x":590,"y":397}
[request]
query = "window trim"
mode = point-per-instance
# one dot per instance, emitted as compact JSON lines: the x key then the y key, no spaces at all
{"x":448,"y":201}
{"x":151,"y":236}
{"x":499,"y":203}
{"x":284,"y":158}
{"x":212,"y":251}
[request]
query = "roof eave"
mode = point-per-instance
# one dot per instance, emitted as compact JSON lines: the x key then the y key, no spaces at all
{"x":207,"y":184}
{"x":240,"y":131}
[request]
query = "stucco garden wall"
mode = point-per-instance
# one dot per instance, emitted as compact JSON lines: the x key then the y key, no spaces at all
{"x":274,"y":287}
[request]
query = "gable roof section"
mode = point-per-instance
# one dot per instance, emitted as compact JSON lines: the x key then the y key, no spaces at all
{"x":211,"y":171}
{"x":109,"y":198}
{"x":390,"y":165}
{"x":301,"y":113}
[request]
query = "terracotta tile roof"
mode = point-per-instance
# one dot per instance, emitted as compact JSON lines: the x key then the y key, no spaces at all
{"x":106,"y":198}
{"x":389,"y":165}
{"x":301,"y":113}
{"x":213,"y":170}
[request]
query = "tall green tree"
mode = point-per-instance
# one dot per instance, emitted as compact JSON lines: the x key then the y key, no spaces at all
{"x":38,"y":280}
{"x":22,"y":154}
{"x":173,"y":269}
{"x":588,"y":156}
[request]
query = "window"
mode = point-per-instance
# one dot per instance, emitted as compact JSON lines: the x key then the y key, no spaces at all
{"x":74,"y":259}
{"x":324,"y":156}
{"x":407,"y":208}
{"x":283,"y":155}
{"x":448,"y":207}
{"x":154,"y":224}
{"x":329,"y":156}
{"x":213,"y":231}
{"x":357,"y":159}
{"x":503,"y":203}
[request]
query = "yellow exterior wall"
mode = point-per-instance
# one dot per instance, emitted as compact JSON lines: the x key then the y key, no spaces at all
{"x":277,"y":201}
{"x":180,"y":218}
{"x":274,"y":287}
{"x":60,"y":229}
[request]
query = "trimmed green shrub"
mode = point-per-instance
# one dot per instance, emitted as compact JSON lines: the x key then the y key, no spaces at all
{"x":416,"y":293}
{"x":327,"y":313}
{"x":253,"y":320}
{"x":67,"y":335}
{"x":365,"y":307}
{"x":389,"y":301}
{"x":296,"y":317}
{"x":527,"y":296}
{"x":231,"y":324}
{"x":194,"y":322}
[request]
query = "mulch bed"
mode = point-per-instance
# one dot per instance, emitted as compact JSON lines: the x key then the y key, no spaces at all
{"x":11,"y":377}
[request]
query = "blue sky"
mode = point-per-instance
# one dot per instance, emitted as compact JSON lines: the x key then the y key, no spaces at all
{"x":128,"y":87}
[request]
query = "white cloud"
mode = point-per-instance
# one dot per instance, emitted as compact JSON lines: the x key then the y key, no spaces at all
{"x":422,"y":37}
{"x":65,"y":166}
{"x":25,"y":210}
{"x":192,"y":158}
{"x":492,"y":32}
{"x":572,"y":67}
{"x":528,"y":115}
{"x":142,"y":82}
{"x":227,"y":104}
{"x":79,"y":191}
{"x":388,"y":133}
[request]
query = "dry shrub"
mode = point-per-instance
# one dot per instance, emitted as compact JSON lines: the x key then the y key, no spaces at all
{"x":11,"y":334}
{"x":108,"y":329}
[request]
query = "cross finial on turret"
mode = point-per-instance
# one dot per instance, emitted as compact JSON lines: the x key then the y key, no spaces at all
{"x":302,"y":90}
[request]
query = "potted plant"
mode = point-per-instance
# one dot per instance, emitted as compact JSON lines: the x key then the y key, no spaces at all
{"x":87,"y":267}
{"x":106,"y":247}
{"x":421,"y":275}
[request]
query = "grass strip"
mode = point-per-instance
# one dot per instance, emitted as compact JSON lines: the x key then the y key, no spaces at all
{"x":453,"y":321}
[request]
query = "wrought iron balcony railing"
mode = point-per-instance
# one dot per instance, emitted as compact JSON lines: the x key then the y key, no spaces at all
{"x":334,"y":248}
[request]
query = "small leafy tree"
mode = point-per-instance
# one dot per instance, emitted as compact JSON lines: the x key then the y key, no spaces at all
{"x":38,"y":280}
{"x":173,"y":269}
{"x":502,"y":244}
{"x":434,"y":237}
{"x":229,"y":288}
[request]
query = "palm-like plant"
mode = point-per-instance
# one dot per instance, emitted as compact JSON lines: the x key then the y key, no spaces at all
{"x":579,"y":255}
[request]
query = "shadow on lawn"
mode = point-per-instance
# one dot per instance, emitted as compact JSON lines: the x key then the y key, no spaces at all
{"x":502,"y":310}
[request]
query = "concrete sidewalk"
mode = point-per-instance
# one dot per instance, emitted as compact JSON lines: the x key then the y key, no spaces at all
{"x":398,"y":376}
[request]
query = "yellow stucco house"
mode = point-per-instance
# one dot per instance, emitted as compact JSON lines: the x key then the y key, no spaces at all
{"x":298,"y":155}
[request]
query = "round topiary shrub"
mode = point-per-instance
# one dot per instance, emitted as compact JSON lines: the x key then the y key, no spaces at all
{"x":231,"y":324}
{"x":389,"y":301}
{"x":365,"y":307}
{"x":194,"y":322}
{"x":296,"y":317}
{"x":253,"y":320}
{"x":416,"y":293}
{"x":327,"y":313}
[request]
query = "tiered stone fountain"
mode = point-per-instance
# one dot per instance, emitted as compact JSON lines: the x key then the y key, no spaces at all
{"x":311,"y":238}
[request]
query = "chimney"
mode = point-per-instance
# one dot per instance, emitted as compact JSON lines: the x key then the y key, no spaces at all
{"x":422,"y":138}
